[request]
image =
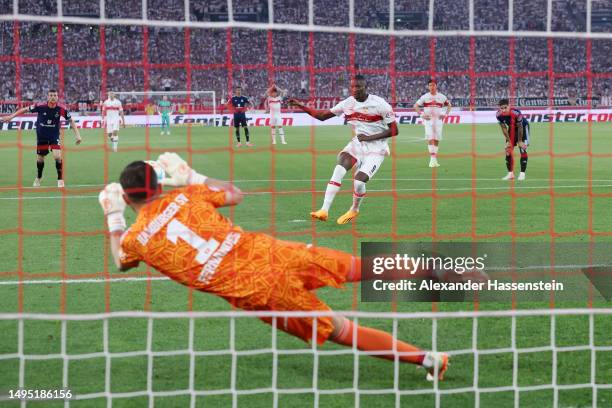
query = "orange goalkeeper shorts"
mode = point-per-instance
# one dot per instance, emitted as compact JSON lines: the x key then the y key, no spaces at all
{"x":294,"y":271}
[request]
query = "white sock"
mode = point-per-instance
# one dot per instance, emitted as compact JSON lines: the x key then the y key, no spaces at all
{"x":281,"y":131}
{"x":273,"y":132}
{"x":333,"y":186}
{"x":433,"y":151}
{"x":358,"y":194}
{"x":115,"y":142}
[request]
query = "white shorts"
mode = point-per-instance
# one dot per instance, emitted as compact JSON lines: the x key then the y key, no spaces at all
{"x":433,"y":129}
{"x":276,"y":120}
{"x":112,"y":126}
{"x":369,"y":158}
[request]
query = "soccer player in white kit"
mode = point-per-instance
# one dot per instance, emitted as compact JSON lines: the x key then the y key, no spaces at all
{"x":274,"y":99}
{"x":372,"y":122}
{"x":111,"y":110}
{"x":431,"y":109}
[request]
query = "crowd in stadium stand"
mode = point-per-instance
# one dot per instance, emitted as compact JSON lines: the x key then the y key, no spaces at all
{"x":126,"y":64}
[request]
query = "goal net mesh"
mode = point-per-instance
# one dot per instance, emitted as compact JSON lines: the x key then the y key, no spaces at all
{"x":54,"y":271}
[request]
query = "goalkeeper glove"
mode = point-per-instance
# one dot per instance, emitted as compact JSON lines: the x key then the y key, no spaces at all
{"x":178,"y":171}
{"x":113,"y":205}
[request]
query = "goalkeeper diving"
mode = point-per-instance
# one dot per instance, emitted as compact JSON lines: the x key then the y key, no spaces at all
{"x":182,"y":235}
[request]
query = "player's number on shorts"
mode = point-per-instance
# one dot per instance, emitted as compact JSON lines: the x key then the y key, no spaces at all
{"x":205,"y":248}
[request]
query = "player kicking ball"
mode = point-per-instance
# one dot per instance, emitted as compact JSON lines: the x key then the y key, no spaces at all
{"x":111,"y":110}
{"x":372,"y":122}
{"x":430,"y":107}
{"x":515,"y":129}
{"x":274,"y":98}
{"x":48,"y":123}
{"x":182,"y":235}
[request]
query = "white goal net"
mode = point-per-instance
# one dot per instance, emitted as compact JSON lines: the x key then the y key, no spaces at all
{"x":531,"y":368}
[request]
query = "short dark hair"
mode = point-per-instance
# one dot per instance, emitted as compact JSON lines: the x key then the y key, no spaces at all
{"x":504,"y":101}
{"x":432,"y":80}
{"x":52,"y":90}
{"x":139,"y":181}
{"x":237,"y":87}
{"x":360,"y":77}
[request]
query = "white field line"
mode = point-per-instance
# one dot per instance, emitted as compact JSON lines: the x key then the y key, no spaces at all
{"x":245,"y":181}
{"x":289,"y":192}
{"x":164,"y":278}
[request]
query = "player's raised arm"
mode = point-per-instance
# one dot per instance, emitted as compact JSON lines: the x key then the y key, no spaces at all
{"x":18,"y":112}
{"x":320,"y":114}
{"x":180,"y":174}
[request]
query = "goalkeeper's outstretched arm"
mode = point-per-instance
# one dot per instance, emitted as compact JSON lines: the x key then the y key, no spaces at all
{"x":115,"y":245}
{"x":233,"y":195}
{"x":180,"y":174}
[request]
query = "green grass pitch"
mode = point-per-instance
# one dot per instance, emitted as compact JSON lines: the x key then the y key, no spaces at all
{"x":280,"y":184}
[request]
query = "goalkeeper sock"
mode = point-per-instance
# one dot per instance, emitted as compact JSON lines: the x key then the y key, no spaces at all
{"x":40,"y":165}
{"x":333,"y":186}
{"x":281,"y":131}
{"x":238,"y":134}
{"x":367,"y":339}
{"x":58,"y":167}
{"x":246,"y":133}
{"x":358,"y":194}
{"x":524,"y":158}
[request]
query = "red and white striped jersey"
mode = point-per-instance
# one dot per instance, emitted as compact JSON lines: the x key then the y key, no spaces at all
{"x":274,"y":104}
{"x":112,"y":107}
{"x":433,"y":105}
{"x":368,"y":117}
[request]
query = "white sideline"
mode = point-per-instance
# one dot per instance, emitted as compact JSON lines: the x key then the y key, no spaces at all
{"x":240,"y":181}
{"x":287,"y":192}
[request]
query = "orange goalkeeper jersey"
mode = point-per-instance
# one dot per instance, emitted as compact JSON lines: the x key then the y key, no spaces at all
{"x":182,"y":235}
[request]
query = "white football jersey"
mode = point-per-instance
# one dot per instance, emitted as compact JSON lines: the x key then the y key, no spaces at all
{"x":112,"y":108}
{"x":368,"y":117}
{"x":274,"y":103}
{"x":433,"y":105}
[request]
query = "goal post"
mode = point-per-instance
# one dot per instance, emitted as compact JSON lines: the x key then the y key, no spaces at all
{"x":188,"y":107}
